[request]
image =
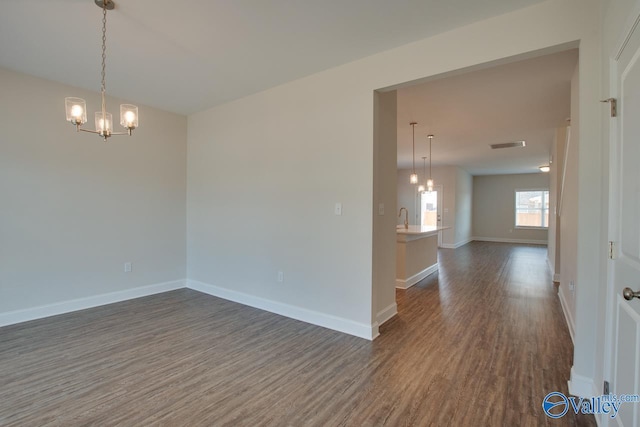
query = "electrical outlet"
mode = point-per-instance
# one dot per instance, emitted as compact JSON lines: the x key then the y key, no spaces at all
{"x":572,"y":285}
{"x":280,"y":276}
{"x":338,"y":208}
{"x":127,"y":267}
{"x":381,"y":209}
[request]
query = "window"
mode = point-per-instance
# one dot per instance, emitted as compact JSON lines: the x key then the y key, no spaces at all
{"x":532,"y":208}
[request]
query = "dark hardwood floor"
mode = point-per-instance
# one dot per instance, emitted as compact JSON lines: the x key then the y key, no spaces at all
{"x":479,"y":344}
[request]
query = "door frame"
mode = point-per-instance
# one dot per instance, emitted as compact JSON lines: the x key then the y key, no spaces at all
{"x":613,"y":223}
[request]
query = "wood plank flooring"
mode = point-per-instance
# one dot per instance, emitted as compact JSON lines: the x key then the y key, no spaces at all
{"x":479,"y":344}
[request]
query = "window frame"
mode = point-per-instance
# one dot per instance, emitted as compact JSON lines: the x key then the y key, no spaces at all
{"x":542,"y":210}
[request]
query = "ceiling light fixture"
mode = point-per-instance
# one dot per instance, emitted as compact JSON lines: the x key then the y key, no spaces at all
{"x":421,"y":187}
{"x":76,"y":108}
{"x":545,"y":168}
{"x":413,"y":178}
{"x":430,"y":180}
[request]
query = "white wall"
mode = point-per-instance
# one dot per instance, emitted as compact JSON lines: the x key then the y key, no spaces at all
{"x":384,"y":207}
{"x":494,"y":207}
{"x":568,"y":212}
{"x":265,"y":171}
{"x":555,"y":182}
{"x":464,"y":203}
{"x":75,"y":209}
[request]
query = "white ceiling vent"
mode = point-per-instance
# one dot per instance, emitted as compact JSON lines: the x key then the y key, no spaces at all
{"x":514,"y":144}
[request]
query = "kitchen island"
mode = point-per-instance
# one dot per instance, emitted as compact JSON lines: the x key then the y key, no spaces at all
{"x":416,"y":253}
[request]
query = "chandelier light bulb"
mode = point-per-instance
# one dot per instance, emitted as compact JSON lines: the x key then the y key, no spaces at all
{"x":413,"y":178}
{"x":77,"y":111}
{"x":129,"y":116}
{"x":104,"y":124}
{"x":430,"y":183}
{"x":420,"y":188}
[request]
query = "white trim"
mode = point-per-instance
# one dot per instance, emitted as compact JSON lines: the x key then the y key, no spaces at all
{"x":387,"y":313}
{"x":629,"y":27}
{"x":567,"y":314}
{"x":555,"y":277}
{"x":405,"y":284}
{"x":504,"y":240}
{"x":530,"y":227}
{"x":455,"y":245}
{"x":329,"y":321}
{"x":375,"y":332}
{"x":582,"y":386}
{"x":25,"y":315}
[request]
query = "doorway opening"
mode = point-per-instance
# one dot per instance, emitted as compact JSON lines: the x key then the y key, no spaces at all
{"x":430,"y":209}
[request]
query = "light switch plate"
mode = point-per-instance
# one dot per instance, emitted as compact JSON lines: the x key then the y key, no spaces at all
{"x":338,"y":209}
{"x":381,"y":209}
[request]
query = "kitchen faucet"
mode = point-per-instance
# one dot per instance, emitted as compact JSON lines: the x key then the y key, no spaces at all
{"x":406,"y":217}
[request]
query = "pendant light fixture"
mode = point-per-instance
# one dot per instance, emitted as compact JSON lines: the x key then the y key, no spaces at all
{"x":413,"y":178}
{"x":421,"y":187}
{"x":430,"y":180}
{"x":76,"y":108}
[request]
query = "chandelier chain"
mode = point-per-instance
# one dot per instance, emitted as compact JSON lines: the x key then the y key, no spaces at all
{"x":413,"y":128}
{"x":104,"y":55}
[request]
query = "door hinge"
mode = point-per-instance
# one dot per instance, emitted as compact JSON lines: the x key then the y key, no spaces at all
{"x":605,"y":388}
{"x":610,"y":250}
{"x":614,"y":106}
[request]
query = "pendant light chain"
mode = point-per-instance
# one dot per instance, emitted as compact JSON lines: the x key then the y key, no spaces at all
{"x":413,"y":126}
{"x":104,"y":59}
{"x":430,"y":180}
{"x":430,"y":139}
{"x":424,"y":167}
{"x":413,"y":178}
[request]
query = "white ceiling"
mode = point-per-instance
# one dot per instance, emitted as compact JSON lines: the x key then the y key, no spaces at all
{"x":186,"y":56}
{"x":524,"y":100}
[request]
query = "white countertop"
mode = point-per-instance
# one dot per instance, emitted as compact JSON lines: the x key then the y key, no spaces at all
{"x":417,"y":232}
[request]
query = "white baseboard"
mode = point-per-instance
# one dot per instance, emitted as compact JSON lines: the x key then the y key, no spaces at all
{"x":19,"y":316}
{"x":567,"y":314}
{"x":409,"y":282}
{"x":336,"y":323}
{"x":387,"y":313}
{"x":455,"y":245}
{"x":505,"y":240}
{"x":582,"y":386}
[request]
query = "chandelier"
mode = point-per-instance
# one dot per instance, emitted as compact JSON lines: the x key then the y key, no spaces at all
{"x":76,"y":108}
